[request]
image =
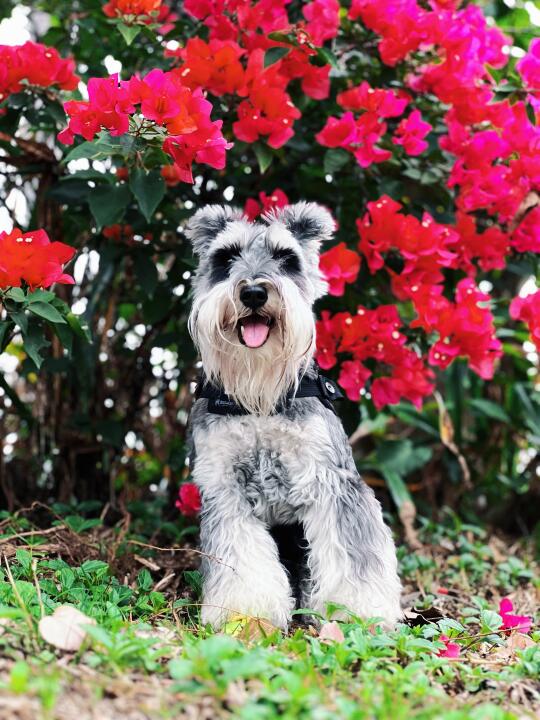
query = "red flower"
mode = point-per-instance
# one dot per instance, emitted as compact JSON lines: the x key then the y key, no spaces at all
{"x":451,"y":650}
{"x":353,"y":377}
{"x":322,"y":19}
{"x":527,"y":309}
{"x":214,"y":66}
{"x":521,"y":623}
{"x":189,"y":500}
{"x":384,"y":103}
{"x":276,"y":199}
{"x":268,"y":111}
{"x":411,"y":132}
{"x":339,"y":266}
{"x":358,"y":136}
{"x":36,"y":64}
{"x":33,"y":259}
{"x":115,"y":8}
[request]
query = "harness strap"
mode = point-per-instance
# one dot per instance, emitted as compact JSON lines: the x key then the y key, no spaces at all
{"x":319,"y":387}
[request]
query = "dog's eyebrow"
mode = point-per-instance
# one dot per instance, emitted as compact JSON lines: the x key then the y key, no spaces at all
{"x":220,"y":260}
{"x":290,"y":262}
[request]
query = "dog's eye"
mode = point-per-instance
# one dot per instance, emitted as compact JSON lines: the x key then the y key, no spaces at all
{"x":289,"y":260}
{"x":221,"y":262}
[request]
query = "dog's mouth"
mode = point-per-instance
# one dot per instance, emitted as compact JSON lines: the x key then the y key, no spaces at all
{"x":254,"y":330}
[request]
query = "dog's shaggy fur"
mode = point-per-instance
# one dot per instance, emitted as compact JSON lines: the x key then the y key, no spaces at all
{"x":283,"y":472}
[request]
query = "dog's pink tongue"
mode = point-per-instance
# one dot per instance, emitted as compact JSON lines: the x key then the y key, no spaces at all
{"x":254,"y":333}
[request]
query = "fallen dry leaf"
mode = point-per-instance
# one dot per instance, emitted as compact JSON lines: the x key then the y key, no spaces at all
{"x":248,"y":628}
{"x":64,"y":628}
{"x":331,"y":632}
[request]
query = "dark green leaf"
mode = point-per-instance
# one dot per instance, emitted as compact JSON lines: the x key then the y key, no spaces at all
{"x":490,"y":409}
{"x":274,"y":55}
{"x":264,"y":156}
{"x":149,"y":189}
{"x":146,"y":272}
{"x":335,"y":159}
{"x":33,"y":343}
{"x":46,"y":311}
{"x":108,"y":204}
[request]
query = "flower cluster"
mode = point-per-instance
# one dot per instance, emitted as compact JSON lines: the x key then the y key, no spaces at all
{"x":359,"y":134}
{"x":146,"y":11}
{"x":33,"y":259}
{"x":232,"y":61}
{"x":34,"y":64}
{"x":373,"y":335}
{"x":527,"y":309}
{"x":118,"y":8}
{"x":165,"y":103}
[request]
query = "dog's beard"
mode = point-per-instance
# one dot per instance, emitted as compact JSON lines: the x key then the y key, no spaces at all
{"x":255,"y":378}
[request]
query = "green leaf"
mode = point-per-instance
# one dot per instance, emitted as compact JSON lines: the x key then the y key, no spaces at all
{"x":264,"y":156}
{"x":129,"y":32}
{"x":5,"y":327}
{"x":146,"y":272}
{"x":21,"y":319}
{"x":490,"y":409}
{"x":108,"y":204}
{"x":16,"y":294}
{"x":40,"y":296}
{"x":46,"y":311}
{"x":335,"y":159}
{"x":33,"y":342}
{"x":396,"y":486}
{"x":91,"y":151}
{"x":274,"y":55}
{"x":149,"y":190}
{"x":326,"y":57}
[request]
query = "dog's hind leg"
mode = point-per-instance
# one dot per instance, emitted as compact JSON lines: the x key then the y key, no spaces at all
{"x":242,"y":573}
{"x":352,"y":557}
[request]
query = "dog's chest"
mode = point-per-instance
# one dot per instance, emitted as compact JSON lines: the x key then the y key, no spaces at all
{"x":271,"y":459}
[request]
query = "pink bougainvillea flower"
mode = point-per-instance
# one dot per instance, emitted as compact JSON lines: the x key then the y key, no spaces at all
{"x":33,"y":259}
{"x":527,"y":309}
{"x":322,"y":19}
{"x":189,"y":500}
{"x":529,"y":66}
{"x":353,"y":378}
{"x":411,"y":132}
{"x":521,"y":623}
{"x":451,"y":649}
{"x":339,"y":265}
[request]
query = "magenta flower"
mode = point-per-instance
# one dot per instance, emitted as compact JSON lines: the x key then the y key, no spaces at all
{"x":521,"y":623}
{"x":451,"y":650}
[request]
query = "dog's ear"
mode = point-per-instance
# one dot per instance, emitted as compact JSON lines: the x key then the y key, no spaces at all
{"x":309,"y":223}
{"x":207,"y":223}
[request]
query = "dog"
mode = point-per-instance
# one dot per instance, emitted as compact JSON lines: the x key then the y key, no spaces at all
{"x":286,"y":521}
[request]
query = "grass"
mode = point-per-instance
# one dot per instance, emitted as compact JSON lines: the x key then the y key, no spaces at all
{"x":147,"y":656}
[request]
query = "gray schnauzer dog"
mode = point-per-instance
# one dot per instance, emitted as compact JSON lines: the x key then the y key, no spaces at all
{"x":286,"y":520}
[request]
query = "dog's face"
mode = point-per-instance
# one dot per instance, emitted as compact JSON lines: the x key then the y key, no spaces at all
{"x":252,"y":316}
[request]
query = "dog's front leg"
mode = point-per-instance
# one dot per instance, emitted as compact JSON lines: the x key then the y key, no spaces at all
{"x":352,"y":557}
{"x":242,"y":573}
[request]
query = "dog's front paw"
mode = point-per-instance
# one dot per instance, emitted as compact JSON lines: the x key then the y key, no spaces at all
{"x":217,"y":612}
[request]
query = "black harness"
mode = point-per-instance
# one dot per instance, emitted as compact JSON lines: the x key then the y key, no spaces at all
{"x":319,"y":387}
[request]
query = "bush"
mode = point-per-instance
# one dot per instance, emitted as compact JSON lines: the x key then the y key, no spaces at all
{"x":410,"y":120}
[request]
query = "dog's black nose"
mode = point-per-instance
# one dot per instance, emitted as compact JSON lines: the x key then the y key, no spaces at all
{"x":254,"y":296}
